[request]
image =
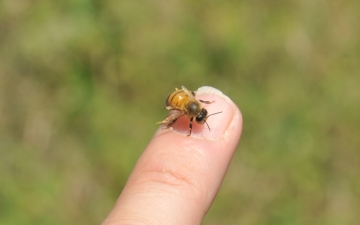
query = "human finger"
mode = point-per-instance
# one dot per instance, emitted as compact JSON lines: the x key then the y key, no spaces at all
{"x":178,"y":176}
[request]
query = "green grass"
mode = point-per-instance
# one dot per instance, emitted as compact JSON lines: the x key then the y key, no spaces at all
{"x":82,"y":84}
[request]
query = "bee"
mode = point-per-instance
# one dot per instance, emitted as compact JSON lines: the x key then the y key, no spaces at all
{"x":182,"y":102}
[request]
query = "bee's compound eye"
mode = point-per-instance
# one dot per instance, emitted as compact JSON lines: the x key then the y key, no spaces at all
{"x":201,"y":118}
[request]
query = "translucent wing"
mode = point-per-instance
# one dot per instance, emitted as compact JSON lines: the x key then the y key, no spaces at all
{"x":190,"y":93}
{"x":173,"y":116}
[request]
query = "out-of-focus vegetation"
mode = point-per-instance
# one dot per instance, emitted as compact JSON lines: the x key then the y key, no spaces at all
{"x":82,"y":84}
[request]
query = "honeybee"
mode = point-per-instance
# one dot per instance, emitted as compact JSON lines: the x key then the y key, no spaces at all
{"x":182,"y":102}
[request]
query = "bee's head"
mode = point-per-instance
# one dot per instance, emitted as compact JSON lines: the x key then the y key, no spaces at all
{"x":201,"y":117}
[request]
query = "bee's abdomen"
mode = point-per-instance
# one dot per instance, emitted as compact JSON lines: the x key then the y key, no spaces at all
{"x":176,"y":99}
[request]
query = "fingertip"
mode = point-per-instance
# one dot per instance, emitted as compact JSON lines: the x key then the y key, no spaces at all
{"x":180,"y":175}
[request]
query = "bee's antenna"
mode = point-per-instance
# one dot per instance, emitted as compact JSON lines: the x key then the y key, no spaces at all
{"x":213,"y":114}
{"x":209,"y":116}
{"x":207,"y":125}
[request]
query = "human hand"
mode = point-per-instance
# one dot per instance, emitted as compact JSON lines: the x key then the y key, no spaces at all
{"x":177,"y":177}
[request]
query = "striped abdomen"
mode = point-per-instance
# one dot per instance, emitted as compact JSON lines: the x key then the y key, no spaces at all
{"x":178,"y":99}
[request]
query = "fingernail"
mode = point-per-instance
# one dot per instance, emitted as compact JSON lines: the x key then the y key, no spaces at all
{"x":218,"y":123}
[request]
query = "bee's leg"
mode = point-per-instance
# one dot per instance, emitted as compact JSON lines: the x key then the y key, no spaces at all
{"x":206,"y":102}
{"x":190,"y":126}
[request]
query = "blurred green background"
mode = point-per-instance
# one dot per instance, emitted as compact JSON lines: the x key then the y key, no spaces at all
{"x":82,"y":84}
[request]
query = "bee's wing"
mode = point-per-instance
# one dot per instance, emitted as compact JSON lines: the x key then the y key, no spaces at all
{"x":174,"y":114}
{"x":190,"y":93}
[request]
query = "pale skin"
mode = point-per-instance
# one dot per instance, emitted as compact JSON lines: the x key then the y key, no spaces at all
{"x":177,"y":177}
